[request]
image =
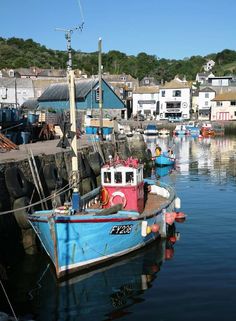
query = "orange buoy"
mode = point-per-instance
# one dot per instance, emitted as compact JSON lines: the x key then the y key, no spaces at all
{"x":104,"y":197}
{"x":155,"y":228}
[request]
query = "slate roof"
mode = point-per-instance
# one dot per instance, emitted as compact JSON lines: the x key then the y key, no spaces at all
{"x":13,"y":82}
{"x":30,"y":104}
{"x":207,"y":89}
{"x":59,"y":92}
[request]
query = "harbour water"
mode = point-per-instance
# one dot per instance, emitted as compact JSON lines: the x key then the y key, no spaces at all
{"x":193,"y":278}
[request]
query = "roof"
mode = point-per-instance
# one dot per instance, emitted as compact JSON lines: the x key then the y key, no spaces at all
{"x":227,"y":96}
{"x":206,"y":89}
{"x":16,"y":82}
{"x":52,"y":73}
{"x":60,"y":91}
{"x":146,"y":90}
{"x":175,"y":84}
{"x":30,"y":104}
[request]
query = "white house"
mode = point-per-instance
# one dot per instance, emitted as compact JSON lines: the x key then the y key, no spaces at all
{"x":205,"y":97}
{"x":209,"y":65}
{"x":175,"y":100}
{"x":15,"y":91}
{"x":202,"y":77}
{"x":146,"y":101}
{"x":222,"y":81}
{"x":224,"y":106}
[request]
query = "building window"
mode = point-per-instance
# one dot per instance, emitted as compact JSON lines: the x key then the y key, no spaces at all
{"x":206,"y":103}
{"x":97,"y":95}
{"x":219,"y":103}
{"x":206,"y":95}
{"x":173,"y":105}
{"x":233,"y":103}
{"x":163,"y":93}
{"x":176,"y":93}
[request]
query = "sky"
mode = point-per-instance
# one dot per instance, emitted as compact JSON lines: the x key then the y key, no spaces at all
{"x":171,"y":29}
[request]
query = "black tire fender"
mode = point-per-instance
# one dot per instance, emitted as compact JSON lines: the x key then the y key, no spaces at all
{"x":51,"y":176}
{"x":16,"y":182}
{"x":21,"y":215}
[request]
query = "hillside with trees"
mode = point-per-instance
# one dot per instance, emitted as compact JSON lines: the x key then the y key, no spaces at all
{"x":18,"y":53}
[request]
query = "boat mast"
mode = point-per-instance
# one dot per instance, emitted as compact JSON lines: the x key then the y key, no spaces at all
{"x":100,"y":84}
{"x":74,"y":158}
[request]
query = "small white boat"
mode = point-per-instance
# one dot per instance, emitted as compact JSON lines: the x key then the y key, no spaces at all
{"x":180,"y":130}
{"x":164,"y":132}
{"x":151,"y":130}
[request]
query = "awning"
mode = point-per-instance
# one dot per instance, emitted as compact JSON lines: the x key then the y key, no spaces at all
{"x":204,"y":111}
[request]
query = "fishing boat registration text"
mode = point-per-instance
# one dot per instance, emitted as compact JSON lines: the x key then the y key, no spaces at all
{"x":121,"y":229}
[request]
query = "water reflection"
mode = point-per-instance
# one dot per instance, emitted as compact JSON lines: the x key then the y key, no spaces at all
{"x":214,"y":156}
{"x":164,"y":170}
{"x":102,"y":294}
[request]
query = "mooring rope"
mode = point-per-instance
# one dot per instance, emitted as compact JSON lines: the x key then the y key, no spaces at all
{"x":58,"y":193}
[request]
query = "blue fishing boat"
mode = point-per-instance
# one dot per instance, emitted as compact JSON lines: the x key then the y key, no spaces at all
{"x":122,"y":215}
{"x":164,"y":160}
{"x":193,"y":129}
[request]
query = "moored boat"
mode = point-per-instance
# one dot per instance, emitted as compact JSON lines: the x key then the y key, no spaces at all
{"x":164,"y":132}
{"x":151,"y":130}
{"x":125,"y":216}
{"x":207,"y":130}
{"x":193,"y":129}
{"x":180,"y":130}
{"x":164,"y":160}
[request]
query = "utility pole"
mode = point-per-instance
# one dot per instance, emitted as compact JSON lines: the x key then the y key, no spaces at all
{"x":100,"y":85}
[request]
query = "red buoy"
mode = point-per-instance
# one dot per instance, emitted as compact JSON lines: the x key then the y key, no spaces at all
{"x":172,"y":239}
{"x":180,"y":215}
{"x":155,"y":228}
{"x":169,"y":253}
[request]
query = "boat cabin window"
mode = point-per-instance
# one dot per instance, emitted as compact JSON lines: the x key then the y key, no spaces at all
{"x":107,"y":177}
{"x":129,"y":177}
{"x":118,"y":177}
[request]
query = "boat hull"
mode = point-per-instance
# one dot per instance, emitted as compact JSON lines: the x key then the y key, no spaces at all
{"x":74,"y":244}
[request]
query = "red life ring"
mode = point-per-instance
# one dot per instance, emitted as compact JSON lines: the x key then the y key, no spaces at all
{"x":121,"y":195}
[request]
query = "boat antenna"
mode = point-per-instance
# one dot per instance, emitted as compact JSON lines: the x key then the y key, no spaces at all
{"x":71,"y":86}
{"x":68,"y":33}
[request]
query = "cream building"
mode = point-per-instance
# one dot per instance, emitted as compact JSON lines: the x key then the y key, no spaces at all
{"x":224,"y":107}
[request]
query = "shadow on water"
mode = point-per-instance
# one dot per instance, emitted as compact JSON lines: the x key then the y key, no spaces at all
{"x":105,"y":293}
